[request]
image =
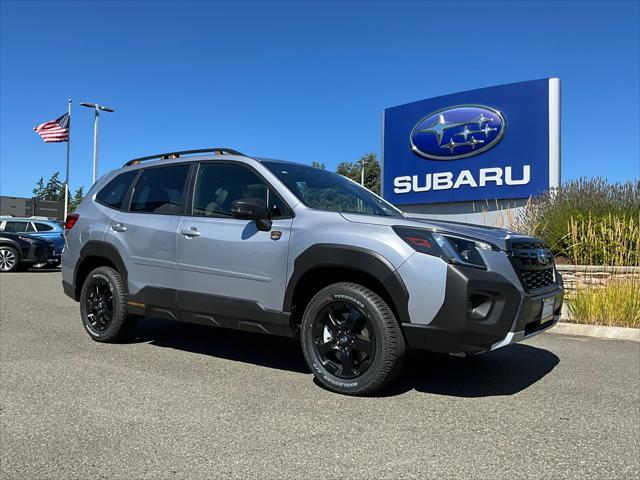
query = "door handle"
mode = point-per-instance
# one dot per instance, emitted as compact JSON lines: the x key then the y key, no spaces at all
{"x":118,"y":227}
{"x":192,"y":232}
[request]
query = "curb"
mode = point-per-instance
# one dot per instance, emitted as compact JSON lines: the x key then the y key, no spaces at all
{"x":596,"y":331}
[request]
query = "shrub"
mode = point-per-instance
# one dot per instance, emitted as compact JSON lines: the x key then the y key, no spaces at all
{"x":552,"y":215}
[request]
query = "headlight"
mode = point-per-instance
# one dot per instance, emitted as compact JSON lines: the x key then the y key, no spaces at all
{"x":451,"y":248}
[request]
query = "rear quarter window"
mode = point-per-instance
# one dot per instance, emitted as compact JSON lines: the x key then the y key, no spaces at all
{"x":113,"y":193}
{"x":43,"y":227}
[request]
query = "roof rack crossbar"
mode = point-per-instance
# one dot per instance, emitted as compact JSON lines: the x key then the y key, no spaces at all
{"x":172,"y":155}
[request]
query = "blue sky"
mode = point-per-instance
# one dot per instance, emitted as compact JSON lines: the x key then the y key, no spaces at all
{"x":301,"y":80}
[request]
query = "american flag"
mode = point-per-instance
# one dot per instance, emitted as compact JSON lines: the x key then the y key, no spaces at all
{"x":56,"y":130}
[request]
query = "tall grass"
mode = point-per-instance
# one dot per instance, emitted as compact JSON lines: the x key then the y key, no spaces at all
{"x":616,"y":304}
{"x":610,"y":241}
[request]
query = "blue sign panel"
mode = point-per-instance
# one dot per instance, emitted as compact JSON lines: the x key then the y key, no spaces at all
{"x":492,"y":143}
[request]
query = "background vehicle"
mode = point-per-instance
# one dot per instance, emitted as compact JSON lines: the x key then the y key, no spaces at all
{"x":40,"y":227}
{"x":286,"y":249}
{"x":18,"y":250}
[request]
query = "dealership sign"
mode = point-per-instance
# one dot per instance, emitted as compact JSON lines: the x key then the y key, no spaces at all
{"x":495,"y":143}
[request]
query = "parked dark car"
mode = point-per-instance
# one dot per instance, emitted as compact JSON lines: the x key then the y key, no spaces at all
{"x":40,"y":227}
{"x":18,"y":250}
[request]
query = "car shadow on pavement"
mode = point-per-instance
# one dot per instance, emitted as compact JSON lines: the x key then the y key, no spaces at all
{"x":506,"y":371}
{"x":267,"y":351}
{"x":502,"y":372}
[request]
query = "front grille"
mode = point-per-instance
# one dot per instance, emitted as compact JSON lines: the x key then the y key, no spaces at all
{"x":525,"y":258}
{"x":537,"y":279}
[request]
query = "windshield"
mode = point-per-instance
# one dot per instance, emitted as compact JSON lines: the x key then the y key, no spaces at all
{"x":323,"y":190}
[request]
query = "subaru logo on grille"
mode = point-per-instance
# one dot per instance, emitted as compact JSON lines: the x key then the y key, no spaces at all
{"x":543,"y":257}
{"x":457,"y":132}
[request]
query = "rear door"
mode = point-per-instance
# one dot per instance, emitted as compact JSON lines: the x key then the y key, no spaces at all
{"x":146,"y":233}
{"x":229,"y":258}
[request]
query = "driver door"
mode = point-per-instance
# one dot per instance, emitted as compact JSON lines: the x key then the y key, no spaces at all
{"x":223,"y":258}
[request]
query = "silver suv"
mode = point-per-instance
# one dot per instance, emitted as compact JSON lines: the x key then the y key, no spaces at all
{"x":219,"y":238}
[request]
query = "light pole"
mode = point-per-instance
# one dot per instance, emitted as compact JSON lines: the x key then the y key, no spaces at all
{"x":96,"y":107}
{"x":362,"y":176}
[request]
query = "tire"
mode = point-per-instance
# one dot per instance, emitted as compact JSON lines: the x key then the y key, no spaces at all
{"x":9,"y":259}
{"x":103,"y":307}
{"x":351,"y":353}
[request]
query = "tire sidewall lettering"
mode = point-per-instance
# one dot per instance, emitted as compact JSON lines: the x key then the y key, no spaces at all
{"x":350,"y":298}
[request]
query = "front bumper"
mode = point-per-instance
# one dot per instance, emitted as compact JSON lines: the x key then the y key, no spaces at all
{"x":482,"y":311}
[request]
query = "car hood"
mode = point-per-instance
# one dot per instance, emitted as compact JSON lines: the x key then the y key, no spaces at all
{"x":496,"y":236}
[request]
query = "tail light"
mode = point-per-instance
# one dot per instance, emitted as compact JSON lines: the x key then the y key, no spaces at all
{"x":71,"y":220}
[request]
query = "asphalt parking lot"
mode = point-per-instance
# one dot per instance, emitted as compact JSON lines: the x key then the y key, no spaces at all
{"x":186,"y":401}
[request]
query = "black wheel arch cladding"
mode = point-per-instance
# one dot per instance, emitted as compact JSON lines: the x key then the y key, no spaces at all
{"x":90,"y":256}
{"x":360,"y":260}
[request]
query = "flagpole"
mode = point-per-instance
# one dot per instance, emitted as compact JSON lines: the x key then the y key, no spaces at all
{"x":66,"y":181}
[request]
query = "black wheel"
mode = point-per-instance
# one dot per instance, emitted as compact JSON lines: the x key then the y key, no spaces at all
{"x":351,"y":339}
{"x":103,"y":307}
{"x":9,"y":259}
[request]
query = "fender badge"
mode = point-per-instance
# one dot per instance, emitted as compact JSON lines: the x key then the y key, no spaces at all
{"x":276,"y":234}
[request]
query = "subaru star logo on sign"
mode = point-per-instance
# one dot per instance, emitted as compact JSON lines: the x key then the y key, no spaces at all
{"x":494,"y":143}
{"x":457,"y":132}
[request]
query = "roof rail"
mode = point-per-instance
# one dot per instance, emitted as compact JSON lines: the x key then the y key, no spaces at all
{"x":172,"y":155}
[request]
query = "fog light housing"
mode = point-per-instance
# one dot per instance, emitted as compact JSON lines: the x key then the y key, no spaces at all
{"x":479,"y":306}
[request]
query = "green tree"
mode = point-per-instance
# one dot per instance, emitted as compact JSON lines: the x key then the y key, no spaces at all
{"x":371,"y":172}
{"x":76,"y":199}
{"x":353,"y":170}
{"x":319,"y":165}
{"x":38,"y":192}
{"x":54,"y":189}
{"x":347,"y":169}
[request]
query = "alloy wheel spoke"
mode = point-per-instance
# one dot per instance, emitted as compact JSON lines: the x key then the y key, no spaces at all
{"x":364,"y":346}
{"x":334,"y":323}
{"x":348,"y":369}
{"x":353,"y":319}
{"x":324,"y":348}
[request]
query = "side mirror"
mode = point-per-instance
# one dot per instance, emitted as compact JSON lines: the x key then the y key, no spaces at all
{"x":252,"y":209}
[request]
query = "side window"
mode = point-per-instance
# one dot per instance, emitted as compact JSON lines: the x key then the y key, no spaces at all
{"x":30,"y":227}
{"x":218,"y":185}
{"x":113,"y":193}
{"x":15,"y":226}
{"x":43,"y":227}
{"x":160,"y":190}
